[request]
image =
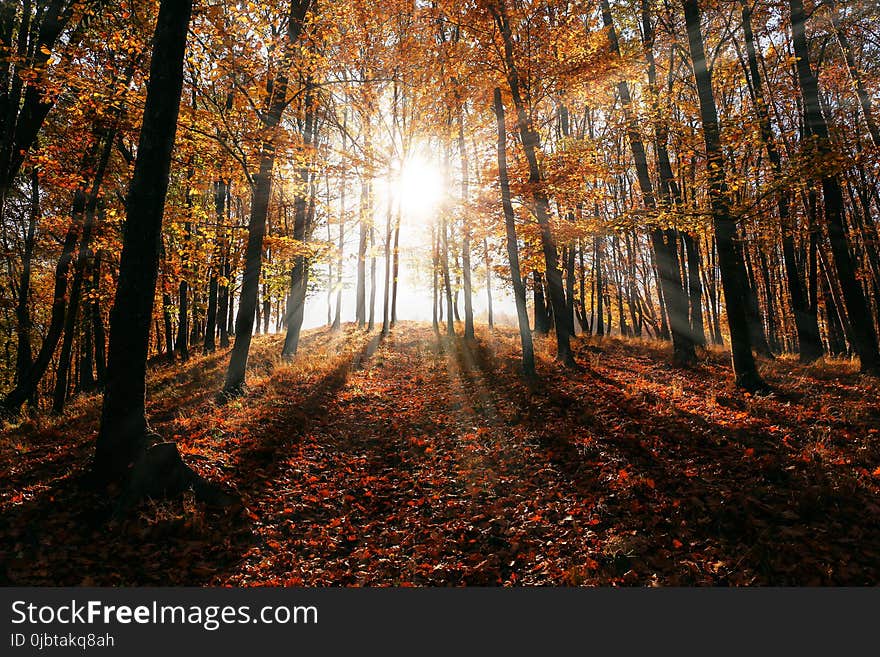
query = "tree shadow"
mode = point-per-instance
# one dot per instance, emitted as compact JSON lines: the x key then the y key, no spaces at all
{"x":62,"y":532}
{"x":764,"y":514}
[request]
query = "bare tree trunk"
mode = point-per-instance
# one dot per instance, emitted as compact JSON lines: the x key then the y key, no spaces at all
{"x":395,"y":267}
{"x":444,"y":259}
{"x":80,"y":269}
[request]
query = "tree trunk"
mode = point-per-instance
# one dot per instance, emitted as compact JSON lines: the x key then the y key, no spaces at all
{"x":220,"y":192}
{"x":542,"y":318}
{"x":395,"y":273}
{"x":664,"y":242}
{"x":365,"y":220}
{"x":488,"y":261}
{"x":27,"y":383}
{"x":530,"y":143}
{"x":519,"y":291}
{"x":862,"y":93}
{"x":23,"y":326}
{"x":262,"y":186}
{"x":124,"y":437}
{"x":466,"y":235}
{"x":744,"y":367}
{"x":864,"y":337}
{"x":598,"y":248}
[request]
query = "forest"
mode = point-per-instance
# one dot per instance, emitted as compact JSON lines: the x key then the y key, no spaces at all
{"x":434,"y":292}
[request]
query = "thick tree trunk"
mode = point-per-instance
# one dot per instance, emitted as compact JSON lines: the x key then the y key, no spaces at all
{"x":124,"y":436}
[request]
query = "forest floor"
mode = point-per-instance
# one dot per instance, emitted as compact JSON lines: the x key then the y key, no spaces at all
{"x":413,"y":460}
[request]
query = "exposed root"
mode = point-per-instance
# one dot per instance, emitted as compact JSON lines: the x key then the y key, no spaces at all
{"x":161,"y":473}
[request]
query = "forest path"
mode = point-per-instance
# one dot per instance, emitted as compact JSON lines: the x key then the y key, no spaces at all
{"x":421,"y":459}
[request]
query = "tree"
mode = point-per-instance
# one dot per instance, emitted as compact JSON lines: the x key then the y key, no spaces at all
{"x":863,"y":334}
{"x":744,"y":367}
{"x":276,"y":102}
{"x":519,"y":290}
{"x":126,"y":449}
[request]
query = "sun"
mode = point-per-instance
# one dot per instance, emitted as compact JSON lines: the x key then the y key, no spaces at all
{"x":419,"y":188}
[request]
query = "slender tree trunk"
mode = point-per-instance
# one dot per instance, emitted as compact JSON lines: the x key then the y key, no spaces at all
{"x":23,"y":327}
{"x":665,"y":242}
{"x":519,"y":291}
{"x":444,"y":261}
{"x":862,"y":93}
{"x":366,"y":219}
{"x":371,"y":322}
{"x":27,"y":383}
{"x":80,"y":270}
{"x":223,"y":302}
{"x":100,"y":342}
{"x":695,"y":289}
{"x":488,"y":261}
{"x":466,"y":235}
{"x":343,"y":187}
{"x":864,"y":337}
{"x":395,"y":267}
{"x":262,"y":185}
{"x":744,"y":367}
{"x":386,"y":293}
{"x":220,"y":193}
{"x":806,"y":323}
{"x":598,"y":247}
{"x":435,"y":261}
{"x":303,"y":205}
{"x":530,"y":143}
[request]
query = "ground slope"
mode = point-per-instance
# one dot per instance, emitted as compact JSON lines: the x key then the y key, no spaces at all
{"x":418,"y":460}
